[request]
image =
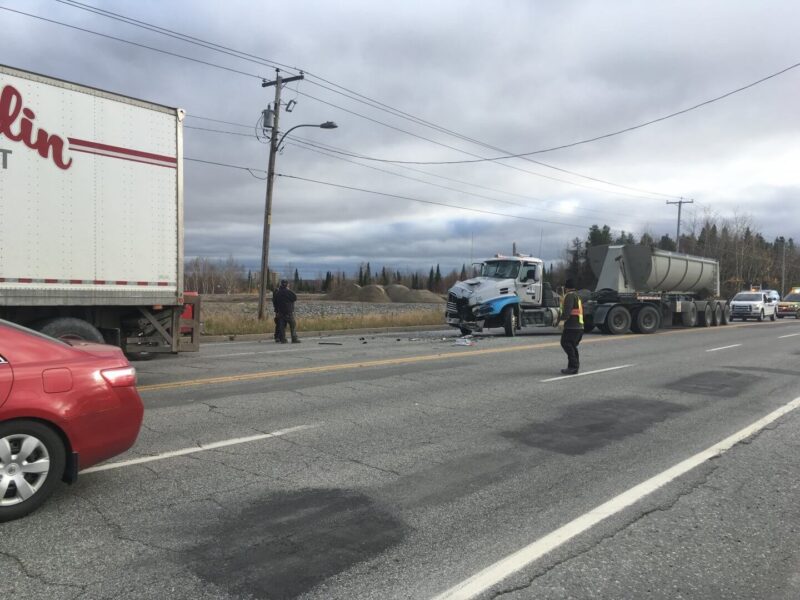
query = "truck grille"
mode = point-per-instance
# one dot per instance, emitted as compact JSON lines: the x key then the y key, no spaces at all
{"x":459,"y":307}
{"x":740,"y":310}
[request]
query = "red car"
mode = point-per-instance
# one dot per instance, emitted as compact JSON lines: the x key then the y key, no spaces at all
{"x":63,"y":407}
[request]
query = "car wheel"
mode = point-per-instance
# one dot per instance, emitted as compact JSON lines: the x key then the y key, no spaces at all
{"x":465,"y":331}
{"x":510,"y":321}
{"x":772,"y":317}
{"x":69,"y":328}
{"x":761,"y":316}
{"x":31,"y":464}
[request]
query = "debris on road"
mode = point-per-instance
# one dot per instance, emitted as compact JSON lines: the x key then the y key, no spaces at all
{"x":330,"y":343}
{"x":464,"y":342}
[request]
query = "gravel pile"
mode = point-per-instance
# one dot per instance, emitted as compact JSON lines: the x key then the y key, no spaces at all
{"x":305,"y":308}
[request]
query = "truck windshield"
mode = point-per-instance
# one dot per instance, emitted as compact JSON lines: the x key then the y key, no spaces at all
{"x":748,"y":297}
{"x":500,"y":269}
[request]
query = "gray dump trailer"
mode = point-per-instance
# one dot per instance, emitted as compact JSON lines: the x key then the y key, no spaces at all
{"x":641,"y":289}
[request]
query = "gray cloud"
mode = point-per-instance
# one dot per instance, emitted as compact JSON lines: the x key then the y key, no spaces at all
{"x":514,"y":74}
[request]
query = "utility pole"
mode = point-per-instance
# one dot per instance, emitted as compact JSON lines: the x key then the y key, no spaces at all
{"x":273,"y":150}
{"x":783,"y":269}
{"x":680,"y":204}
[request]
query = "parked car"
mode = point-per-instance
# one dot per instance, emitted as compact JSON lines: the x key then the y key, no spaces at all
{"x":64,"y":406}
{"x":753,"y":305}
{"x":790,"y":305}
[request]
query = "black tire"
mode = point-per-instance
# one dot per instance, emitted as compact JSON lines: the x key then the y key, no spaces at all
{"x":648,"y":319}
{"x":704,"y":318}
{"x":689,"y":317}
{"x":618,"y":320}
{"x":44,"y":484}
{"x":726,"y":314}
{"x":780,"y":316}
{"x":761,"y":316}
{"x":69,"y":328}
{"x":510,"y":321}
{"x":463,"y":330}
{"x":797,"y":315}
{"x":717,"y":317}
{"x":140,"y":356}
{"x":772,"y":317}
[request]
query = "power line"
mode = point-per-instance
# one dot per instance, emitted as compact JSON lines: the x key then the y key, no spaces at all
{"x":331,"y":152}
{"x":356,"y":97}
{"x":319,"y":149}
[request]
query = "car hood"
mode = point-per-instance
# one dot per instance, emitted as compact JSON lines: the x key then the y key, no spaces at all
{"x":483,"y":288}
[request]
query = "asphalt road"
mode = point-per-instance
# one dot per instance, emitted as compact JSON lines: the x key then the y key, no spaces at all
{"x":406,"y":467}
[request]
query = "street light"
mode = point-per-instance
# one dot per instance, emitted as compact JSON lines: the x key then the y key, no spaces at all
{"x":273,"y":150}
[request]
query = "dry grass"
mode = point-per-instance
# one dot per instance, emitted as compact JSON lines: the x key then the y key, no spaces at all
{"x":226,"y":324}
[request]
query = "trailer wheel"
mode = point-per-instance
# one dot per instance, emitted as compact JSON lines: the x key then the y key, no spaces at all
{"x":706,"y":316}
{"x":69,"y":328}
{"x":726,"y":315}
{"x":510,"y":321}
{"x":689,"y":317}
{"x":717,"y":318}
{"x":618,"y":320}
{"x":648,"y":320}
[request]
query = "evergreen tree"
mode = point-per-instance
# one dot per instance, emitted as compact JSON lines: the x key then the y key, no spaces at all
{"x":430,"y":280}
{"x":367,"y":276}
{"x":437,"y":280}
{"x":360,"y":275}
{"x":667,"y":243}
{"x":463,"y":275}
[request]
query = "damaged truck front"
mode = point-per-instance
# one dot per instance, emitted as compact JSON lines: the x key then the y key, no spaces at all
{"x":508,"y":293}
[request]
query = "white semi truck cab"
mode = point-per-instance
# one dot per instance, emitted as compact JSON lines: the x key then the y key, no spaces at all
{"x":508,"y":293}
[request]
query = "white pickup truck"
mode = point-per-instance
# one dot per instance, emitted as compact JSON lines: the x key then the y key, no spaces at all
{"x":753,"y":305}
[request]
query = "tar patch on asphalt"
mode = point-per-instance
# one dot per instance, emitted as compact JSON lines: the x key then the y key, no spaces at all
{"x":589,"y":426}
{"x":724,"y":384}
{"x":291,"y":542}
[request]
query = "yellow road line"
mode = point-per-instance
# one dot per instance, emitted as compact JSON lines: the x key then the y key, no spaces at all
{"x":407,"y":360}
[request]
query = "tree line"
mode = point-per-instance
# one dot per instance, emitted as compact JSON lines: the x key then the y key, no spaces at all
{"x":745,"y":256}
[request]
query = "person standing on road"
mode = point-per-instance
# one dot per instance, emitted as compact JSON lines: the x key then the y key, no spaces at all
{"x":572,"y":313}
{"x":283,"y":300}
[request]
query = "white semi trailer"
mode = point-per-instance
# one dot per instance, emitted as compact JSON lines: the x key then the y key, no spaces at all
{"x":91,"y":215}
{"x":641,"y":289}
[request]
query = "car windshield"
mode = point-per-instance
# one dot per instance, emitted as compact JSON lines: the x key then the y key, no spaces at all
{"x":500,"y":269}
{"x":748,"y":297}
{"x":792,"y":298}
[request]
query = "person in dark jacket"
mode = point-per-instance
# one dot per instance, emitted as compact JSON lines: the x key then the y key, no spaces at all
{"x":572,"y":313}
{"x":283,"y":300}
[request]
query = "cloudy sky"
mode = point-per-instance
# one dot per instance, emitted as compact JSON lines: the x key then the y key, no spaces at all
{"x":516,"y":75}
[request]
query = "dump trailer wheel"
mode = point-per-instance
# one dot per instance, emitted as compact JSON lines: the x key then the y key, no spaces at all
{"x":618,"y":320}
{"x":69,"y":328}
{"x":510,"y":321}
{"x":689,"y":317}
{"x":726,"y":314}
{"x":648,"y":320}
{"x":706,"y":316}
{"x":717,"y":318}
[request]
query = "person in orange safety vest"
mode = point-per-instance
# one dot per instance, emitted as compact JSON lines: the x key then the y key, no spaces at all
{"x":572,"y":313}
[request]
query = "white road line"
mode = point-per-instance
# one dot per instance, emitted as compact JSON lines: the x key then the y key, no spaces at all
{"x":520,"y":559}
{"x":193,"y":449}
{"x":584,"y":373}
{"x":780,"y":337}
{"x":724,"y":347}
